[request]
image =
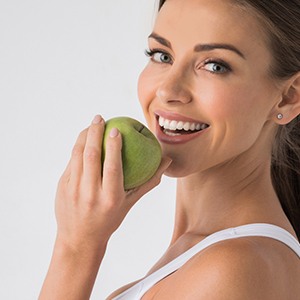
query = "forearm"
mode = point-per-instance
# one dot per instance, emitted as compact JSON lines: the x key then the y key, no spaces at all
{"x":91,"y":203}
{"x":72,"y":274}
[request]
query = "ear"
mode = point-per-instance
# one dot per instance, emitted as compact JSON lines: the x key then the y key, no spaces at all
{"x":289,"y":106}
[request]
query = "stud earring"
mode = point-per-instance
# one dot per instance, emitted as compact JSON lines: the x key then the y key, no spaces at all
{"x":279,"y":116}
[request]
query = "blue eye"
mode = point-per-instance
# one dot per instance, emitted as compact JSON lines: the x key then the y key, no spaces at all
{"x":159,"y":56}
{"x":216,"y":67}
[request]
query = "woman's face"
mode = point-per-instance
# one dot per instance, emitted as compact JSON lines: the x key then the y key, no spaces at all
{"x":206,"y":91}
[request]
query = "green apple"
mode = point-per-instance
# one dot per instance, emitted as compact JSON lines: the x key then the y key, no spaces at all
{"x":141,"y":152}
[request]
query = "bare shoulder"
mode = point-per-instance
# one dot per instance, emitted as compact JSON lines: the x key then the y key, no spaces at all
{"x":121,"y":290}
{"x":245,"y":268}
{"x":238,"y":269}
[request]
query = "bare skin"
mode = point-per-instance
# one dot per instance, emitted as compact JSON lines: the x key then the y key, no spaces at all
{"x":224,"y":178}
{"x":89,"y":208}
{"x":223,"y":173}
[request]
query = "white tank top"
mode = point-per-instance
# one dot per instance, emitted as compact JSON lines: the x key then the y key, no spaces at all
{"x":257,"y":229}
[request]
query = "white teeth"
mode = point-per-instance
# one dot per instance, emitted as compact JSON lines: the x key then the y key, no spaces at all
{"x":161,"y":121}
{"x":180,"y":125}
{"x":186,"y":126}
{"x":171,"y":133}
{"x":167,"y":124}
{"x":174,"y":125}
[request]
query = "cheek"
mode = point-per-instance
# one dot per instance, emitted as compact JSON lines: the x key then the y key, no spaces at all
{"x":232,"y":102}
{"x":145,"y":88}
{"x":146,"y":93}
{"x":238,"y":114}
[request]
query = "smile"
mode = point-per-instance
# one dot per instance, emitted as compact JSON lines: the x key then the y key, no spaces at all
{"x":172,"y":128}
{"x":175,"y":128}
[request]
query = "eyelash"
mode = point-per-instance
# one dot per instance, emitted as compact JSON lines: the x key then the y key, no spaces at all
{"x":220,"y":63}
{"x":151,"y":52}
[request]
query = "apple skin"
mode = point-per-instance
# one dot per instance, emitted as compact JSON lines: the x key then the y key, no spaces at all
{"x":141,"y":151}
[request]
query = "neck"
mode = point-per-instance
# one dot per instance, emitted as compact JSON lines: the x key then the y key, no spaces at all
{"x":213,"y":200}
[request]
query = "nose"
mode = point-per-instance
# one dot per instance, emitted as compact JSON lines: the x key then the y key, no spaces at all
{"x":175,"y":87}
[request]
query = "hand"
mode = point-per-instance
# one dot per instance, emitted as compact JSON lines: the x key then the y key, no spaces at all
{"x":90,"y":206}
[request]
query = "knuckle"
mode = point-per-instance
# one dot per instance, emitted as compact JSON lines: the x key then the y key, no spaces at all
{"x":114,"y":145}
{"x":156,"y":180}
{"x":92,"y":154}
{"x":74,"y":192}
{"x":77,"y":150}
{"x":82,"y":135}
{"x":113,"y":171}
{"x":63,"y":181}
{"x":111,"y":206}
{"x":93,"y":130}
{"x":83,"y":132}
{"x":90,"y":199}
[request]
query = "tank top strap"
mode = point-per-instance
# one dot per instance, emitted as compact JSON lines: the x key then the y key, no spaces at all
{"x":255,"y":229}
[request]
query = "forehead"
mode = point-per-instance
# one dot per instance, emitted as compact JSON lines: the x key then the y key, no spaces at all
{"x":208,"y":21}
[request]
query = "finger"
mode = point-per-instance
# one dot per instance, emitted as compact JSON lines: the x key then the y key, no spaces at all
{"x":65,"y":177}
{"x":76,"y":161}
{"x":137,"y":193}
{"x":92,"y":152}
{"x":113,"y":182}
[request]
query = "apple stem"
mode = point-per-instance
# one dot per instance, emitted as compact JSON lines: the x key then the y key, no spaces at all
{"x":141,"y":129}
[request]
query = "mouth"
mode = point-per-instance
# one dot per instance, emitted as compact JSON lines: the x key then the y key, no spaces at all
{"x":176,"y":129}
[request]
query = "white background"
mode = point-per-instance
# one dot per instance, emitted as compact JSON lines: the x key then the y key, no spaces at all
{"x":62,"y":62}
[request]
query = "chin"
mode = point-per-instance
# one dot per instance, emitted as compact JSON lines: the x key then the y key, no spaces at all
{"x":177,"y":170}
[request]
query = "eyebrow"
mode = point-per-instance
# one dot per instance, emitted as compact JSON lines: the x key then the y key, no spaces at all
{"x":160,"y":39}
{"x":209,"y":47}
{"x":199,"y":47}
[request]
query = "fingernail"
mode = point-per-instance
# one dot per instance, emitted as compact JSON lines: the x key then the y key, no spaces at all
{"x":114,"y":132}
{"x":97,"y":119}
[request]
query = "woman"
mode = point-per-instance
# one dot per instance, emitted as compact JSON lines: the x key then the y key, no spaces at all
{"x":228,"y":73}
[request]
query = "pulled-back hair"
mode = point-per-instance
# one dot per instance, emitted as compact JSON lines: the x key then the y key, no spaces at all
{"x":281,"y":22}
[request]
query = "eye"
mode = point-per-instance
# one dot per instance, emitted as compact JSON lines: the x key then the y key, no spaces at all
{"x":217,"y":67}
{"x":159,"y":56}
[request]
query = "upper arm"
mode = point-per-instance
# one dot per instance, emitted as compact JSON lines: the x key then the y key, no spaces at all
{"x":230,"y":270}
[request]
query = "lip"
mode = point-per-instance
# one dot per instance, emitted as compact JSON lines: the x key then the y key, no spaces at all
{"x":175,"y":116}
{"x":178,"y":139}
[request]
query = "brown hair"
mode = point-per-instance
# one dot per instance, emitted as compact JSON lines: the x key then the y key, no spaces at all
{"x":281,"y":20}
